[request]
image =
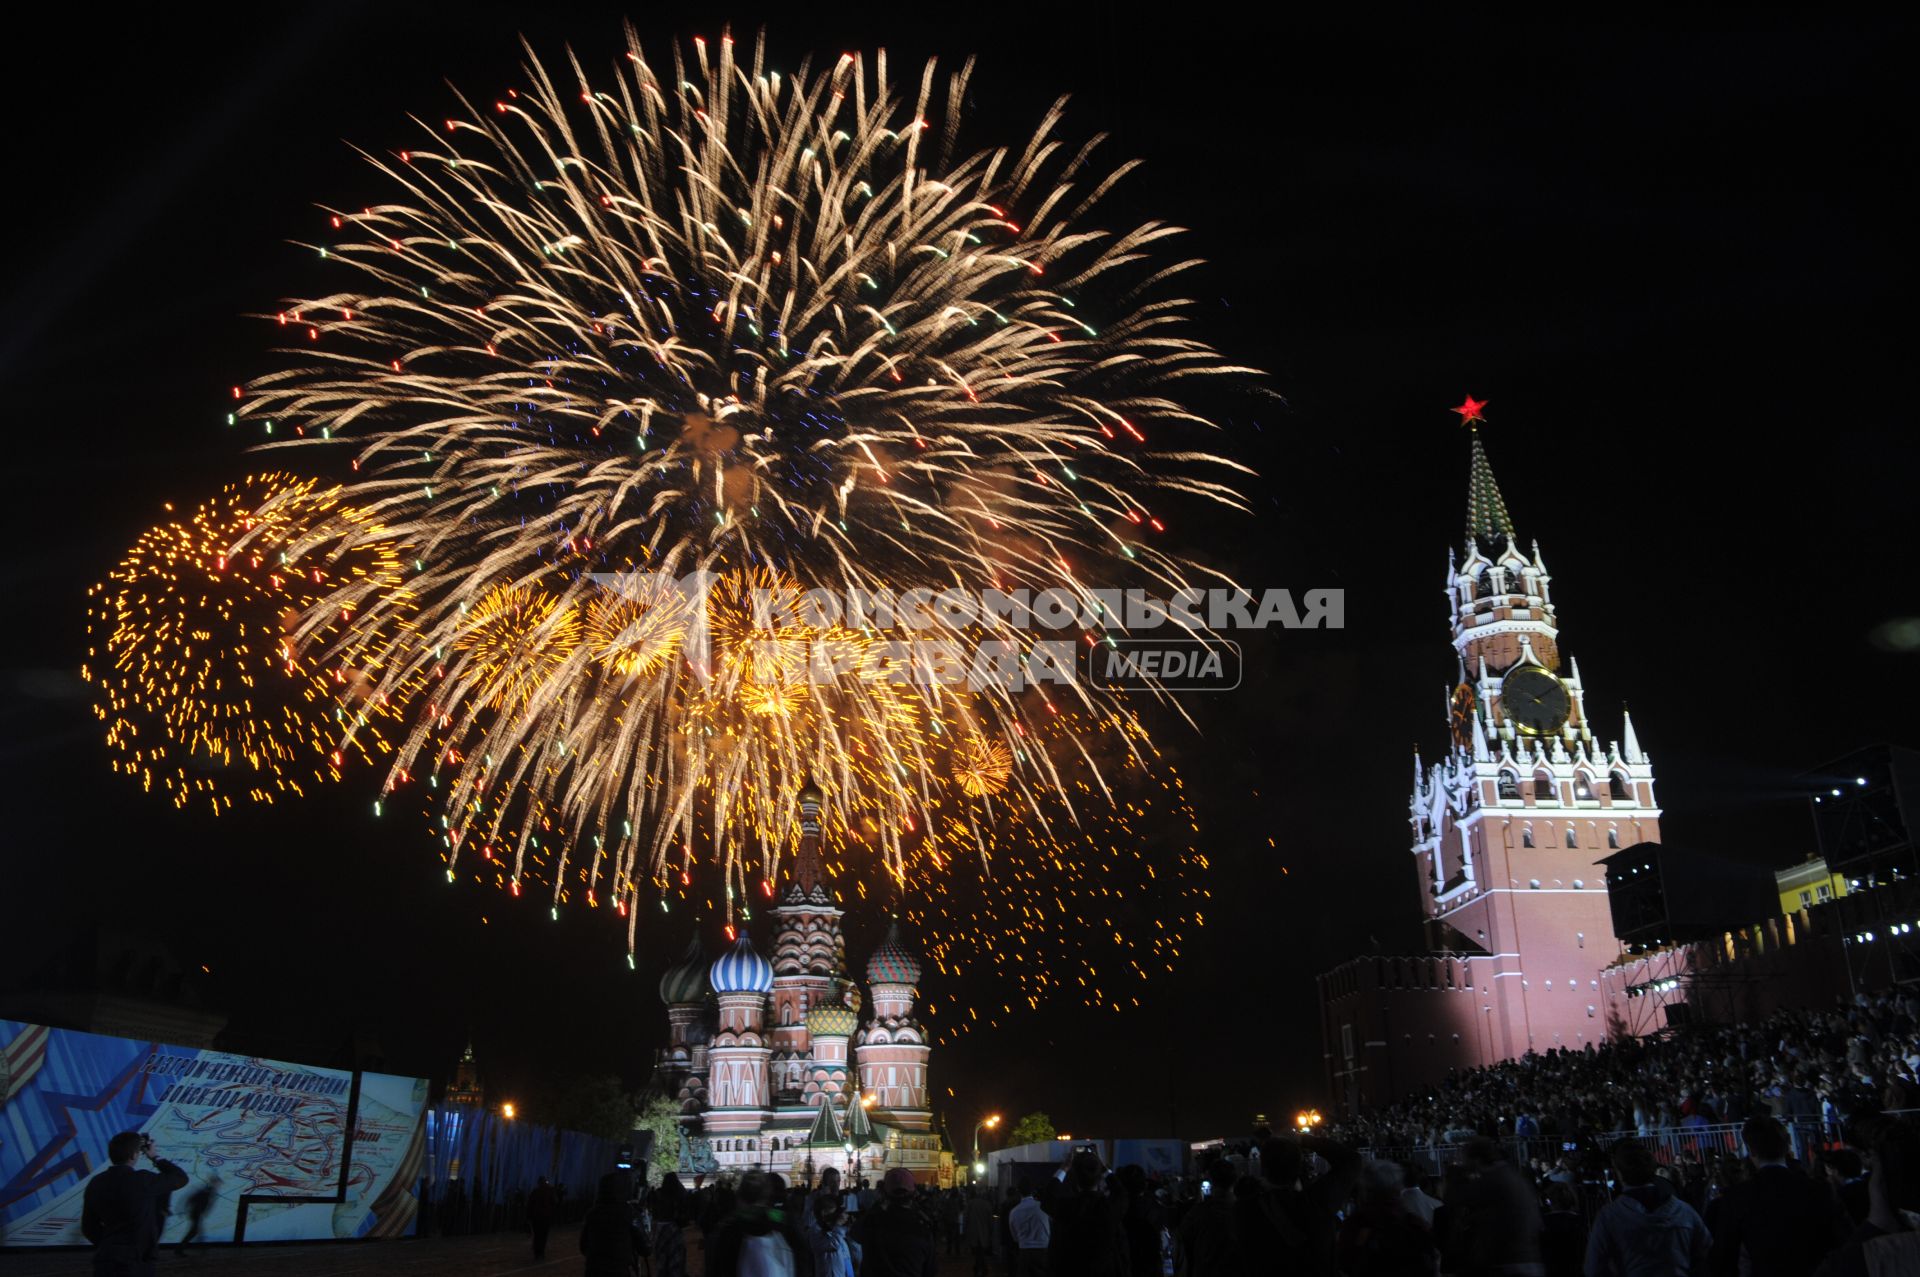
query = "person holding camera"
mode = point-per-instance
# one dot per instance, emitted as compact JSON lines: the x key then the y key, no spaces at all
{"x":123,"y":1207}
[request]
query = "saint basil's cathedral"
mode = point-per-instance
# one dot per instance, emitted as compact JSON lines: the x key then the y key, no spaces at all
{"x":771,"y":1063}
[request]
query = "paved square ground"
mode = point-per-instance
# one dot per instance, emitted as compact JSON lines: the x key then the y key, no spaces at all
{"x":493,"y":1255}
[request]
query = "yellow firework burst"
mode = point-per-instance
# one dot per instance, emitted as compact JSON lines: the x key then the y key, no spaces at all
{"x":223,"y":661}
{"x":636,"y":626}
{"x":516,"y":638}
{"x":983,"y":767}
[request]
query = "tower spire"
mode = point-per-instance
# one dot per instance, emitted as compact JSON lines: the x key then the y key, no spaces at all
{"x":1630,"y":739}
{"x":1488,"y":523}
{"x":806,"y":865}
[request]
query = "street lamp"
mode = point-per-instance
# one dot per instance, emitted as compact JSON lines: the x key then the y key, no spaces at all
{"x":984,"y":1124}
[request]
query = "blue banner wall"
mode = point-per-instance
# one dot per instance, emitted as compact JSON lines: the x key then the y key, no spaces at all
{"x":271,"y":1139}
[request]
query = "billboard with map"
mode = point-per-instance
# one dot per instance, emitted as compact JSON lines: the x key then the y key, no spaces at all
{"x":289,"y":1152}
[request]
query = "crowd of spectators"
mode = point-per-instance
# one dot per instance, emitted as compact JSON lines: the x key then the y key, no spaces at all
{"x":1559,"y":1164}
{"x":1802,"y":1068}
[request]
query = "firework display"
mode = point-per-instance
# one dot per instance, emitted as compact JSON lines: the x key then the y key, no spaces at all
{"x":779,"y":329}
{"x":202,"y":683}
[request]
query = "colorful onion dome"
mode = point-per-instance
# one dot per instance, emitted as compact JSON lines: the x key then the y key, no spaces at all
{"x":829,"y":1021}
{"x":893,"y":962}
{"x":741,"y":970}
{"x":686,"y":980}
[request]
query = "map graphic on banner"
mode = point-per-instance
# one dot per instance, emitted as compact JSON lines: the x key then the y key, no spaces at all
{"x":239,"y":1124}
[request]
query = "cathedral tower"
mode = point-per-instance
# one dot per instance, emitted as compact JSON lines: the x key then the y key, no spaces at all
{"x":737,"y":1061}
{"x":809,"y":959}
{"x":892,"y":1049}
{"x":681,"y":1066}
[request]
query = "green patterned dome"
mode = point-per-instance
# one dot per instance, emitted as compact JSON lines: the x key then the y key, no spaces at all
{"x":893,"y":962}
{"x":686,"y":980}
{"x":827,"y":1021}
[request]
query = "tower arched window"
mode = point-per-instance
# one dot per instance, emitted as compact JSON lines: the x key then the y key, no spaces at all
{"x":1573,"y":837}
{"x":1582,"y":788}
{"x":1526,"y":836}
{"x":1613,"y":839}
{"x":1545,"y":792}
{"x":1617,"y":787}
{"x":1509,"y":786}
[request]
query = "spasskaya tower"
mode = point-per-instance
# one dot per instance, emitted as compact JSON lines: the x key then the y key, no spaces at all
{"x":1505,"y":829}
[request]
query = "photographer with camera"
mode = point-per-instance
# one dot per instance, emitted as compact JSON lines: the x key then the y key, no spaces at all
{"x":122,"y":1209}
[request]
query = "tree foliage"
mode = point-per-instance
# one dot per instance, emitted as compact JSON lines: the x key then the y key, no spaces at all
{"x":594,"y":1104}
{"x":1034,"y":1128}
{"x":661,"y":1118}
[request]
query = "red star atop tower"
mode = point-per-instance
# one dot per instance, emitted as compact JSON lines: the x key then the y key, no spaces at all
{"x":1470,"y":411}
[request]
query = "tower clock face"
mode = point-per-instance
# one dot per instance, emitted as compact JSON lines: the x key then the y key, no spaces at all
{"x":1534,"y":701}
{"x":1461,"y":716}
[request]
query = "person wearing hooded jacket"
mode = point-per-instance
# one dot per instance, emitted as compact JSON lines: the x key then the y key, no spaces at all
{"x":1646,"y":1231}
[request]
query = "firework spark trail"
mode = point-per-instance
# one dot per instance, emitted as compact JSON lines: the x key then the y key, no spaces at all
{"x":768,"y":326}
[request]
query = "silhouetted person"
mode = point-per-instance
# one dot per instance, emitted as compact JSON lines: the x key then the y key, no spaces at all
{"x":1142,"y":1223}
{"x":1089,"y":1236}
{"x":1381,"y":1237}
{"x":671,"y":1206}
{"x":980,"y":1227}
{"x":755,"y":1241}
{"x":610,"y":1236}
{"x":1780,"y":1223}
{"x":1889,"y":1241}
{"x":1285,"y":1220}
{"x":829,"y":1188}
{"x":1646,"y":1231}
{"x":541,"y":1205}
{"x":1496,"y":1226}
{"x":895,"y":1237}
{"x":952,"y":1221}
{"x":1563,"y":1233}
{"x":198,"y":1204}
{"x":1208,"y":1244}
{"x":121,"y":1210}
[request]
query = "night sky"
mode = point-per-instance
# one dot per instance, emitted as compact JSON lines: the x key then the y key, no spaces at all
{"x":1676,"y":263}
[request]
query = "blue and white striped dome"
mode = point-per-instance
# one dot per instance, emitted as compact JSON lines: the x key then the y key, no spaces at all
{"x":741,"y":970}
